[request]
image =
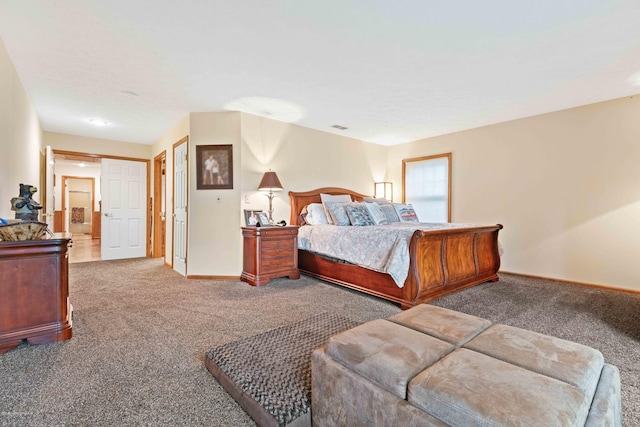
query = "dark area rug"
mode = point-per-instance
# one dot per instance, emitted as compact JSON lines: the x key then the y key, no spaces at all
{"x":269,"y":374}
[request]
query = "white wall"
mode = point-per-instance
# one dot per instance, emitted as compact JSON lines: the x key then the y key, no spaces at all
{"x":20,"y":137}
{"x":565,"y":185}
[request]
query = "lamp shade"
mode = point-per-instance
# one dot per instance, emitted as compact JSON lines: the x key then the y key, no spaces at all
{"x":270,"y":182}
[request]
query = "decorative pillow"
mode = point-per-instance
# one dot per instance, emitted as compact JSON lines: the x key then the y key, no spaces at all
{"x":358,"y":214}
{"x":390,"y":213}
{"x":375,"y":211}
{"x":378,"y":200}
{"x":406,"y":212}
{"x":316,"y":214}
{"x":337,"y":213}
{"x":340,"y":198}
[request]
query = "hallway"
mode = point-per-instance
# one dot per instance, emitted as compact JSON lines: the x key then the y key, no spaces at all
{"x":84,"y":249}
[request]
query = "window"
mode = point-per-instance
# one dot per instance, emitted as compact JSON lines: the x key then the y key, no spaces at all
{"x":426,"y":184}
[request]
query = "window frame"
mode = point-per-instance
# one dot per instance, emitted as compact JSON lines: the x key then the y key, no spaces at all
{"x":426,"y":158}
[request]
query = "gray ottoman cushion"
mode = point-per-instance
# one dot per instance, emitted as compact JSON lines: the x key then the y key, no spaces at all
{"x":567,"y":361}
{"x":606,"y":408}
{"x":447,"y":325}
{"x":386,"y":353}
{"x":340,"y":397}
{"x":467,"y":388}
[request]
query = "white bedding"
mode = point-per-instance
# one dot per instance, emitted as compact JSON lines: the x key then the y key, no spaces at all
{"x":383,"y":248}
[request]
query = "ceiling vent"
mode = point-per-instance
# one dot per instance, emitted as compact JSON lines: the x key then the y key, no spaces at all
{"x":340,"y":127}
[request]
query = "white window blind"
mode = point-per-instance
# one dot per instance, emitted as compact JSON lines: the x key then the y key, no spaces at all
{"x":427,"y":187}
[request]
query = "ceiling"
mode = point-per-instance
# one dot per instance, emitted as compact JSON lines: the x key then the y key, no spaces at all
{"x":389,"y":71}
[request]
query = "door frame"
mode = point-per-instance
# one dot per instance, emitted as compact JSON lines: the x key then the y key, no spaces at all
{"x":65,"y":223}
{"x":133,"y":159}
{"x":158,"y":238}
{"x":173,"y":230}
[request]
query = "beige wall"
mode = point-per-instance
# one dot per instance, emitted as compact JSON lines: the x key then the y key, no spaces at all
{"x":565,"y":185}
{"x":304,"y":159}
{"x":20,"y":137}
{"x":84,"y":144}
{"x":214,"y":242}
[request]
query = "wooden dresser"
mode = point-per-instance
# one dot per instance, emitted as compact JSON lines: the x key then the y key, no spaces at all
{"x":34,"y":291}
{"x":269,"y":252}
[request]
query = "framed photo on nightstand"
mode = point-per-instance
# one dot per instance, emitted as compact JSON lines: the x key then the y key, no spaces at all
{"x":263,"y":219}
{"x":251,"y":217}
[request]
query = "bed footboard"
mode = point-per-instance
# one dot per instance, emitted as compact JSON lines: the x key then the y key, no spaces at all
{"x":446,"y":261}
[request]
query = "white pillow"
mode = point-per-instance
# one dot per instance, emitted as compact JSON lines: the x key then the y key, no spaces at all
{"x":315,"y":214}
{"x":340,"y":198}
{"x":379,"y":218}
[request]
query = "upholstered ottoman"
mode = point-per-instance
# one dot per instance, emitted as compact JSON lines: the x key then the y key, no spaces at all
{"x":430,"y":366}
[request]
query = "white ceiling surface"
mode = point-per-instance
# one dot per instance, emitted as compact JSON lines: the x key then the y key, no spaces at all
{"x":391,"y":71}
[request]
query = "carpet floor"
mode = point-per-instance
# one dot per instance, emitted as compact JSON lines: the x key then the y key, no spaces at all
{"x":140,"y":332}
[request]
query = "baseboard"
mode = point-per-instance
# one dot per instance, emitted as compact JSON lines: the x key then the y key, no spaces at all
{"x":197,"y":277}
{"x":168,"y":265}
{"x":569,"y":282}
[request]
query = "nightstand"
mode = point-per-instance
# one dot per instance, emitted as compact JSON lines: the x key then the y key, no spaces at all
{"x":269,"y":252}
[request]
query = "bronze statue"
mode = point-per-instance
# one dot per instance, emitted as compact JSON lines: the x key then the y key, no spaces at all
{"x":26,"y":208}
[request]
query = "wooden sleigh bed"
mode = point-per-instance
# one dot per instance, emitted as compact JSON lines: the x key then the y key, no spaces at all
{"x":441,"y":261}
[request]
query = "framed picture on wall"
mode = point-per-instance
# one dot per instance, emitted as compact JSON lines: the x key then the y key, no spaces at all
{"x":251,"y":217}
{"x":214,"y":165}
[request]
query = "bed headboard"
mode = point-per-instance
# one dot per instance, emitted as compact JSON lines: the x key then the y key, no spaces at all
{"x":301,"y":199}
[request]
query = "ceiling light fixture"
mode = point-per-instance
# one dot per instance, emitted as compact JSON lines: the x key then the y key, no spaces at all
{"x":81,"y":164}
{"x":98,"y":122}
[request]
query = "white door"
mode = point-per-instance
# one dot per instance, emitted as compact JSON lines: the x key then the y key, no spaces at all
{"x":65,"y":209}
{"x":49,"y":199}
{"x":180,"y":208}
{"x":123,"y":185}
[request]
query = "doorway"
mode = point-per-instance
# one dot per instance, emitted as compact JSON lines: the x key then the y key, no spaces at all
{"x":82,"y":165}
{"x":158,"y":246}
{"x":78,"y":205}
{"x":80,"y":217}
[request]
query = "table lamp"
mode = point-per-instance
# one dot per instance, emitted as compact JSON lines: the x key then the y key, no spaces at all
{"x":271,"y":183}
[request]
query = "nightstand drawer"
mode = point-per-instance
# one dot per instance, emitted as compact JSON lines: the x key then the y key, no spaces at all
{"x":278,"y":253}
{"x":276,"y":263}
{"x":277,"y":244}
